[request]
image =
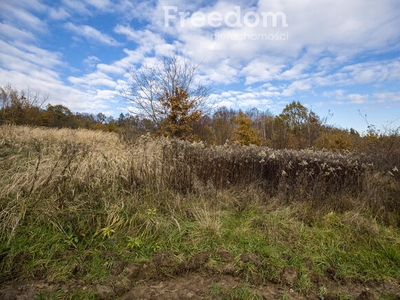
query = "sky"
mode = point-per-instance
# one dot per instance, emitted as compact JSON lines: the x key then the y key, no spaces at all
{"x":339,"y":58}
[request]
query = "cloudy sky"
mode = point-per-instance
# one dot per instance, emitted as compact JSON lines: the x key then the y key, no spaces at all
{"x":340,"y":56}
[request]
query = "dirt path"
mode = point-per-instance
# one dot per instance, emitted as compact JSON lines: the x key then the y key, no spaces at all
{"x":194,"y":285}
{"x":165,"y":278}
{"x":190,"y":286}
{"x":202,"y":285}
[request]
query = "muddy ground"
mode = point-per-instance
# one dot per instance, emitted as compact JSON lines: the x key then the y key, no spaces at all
{"x":165,"y":278}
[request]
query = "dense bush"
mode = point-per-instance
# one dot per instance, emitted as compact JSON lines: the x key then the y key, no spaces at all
{"x":184,"y":163}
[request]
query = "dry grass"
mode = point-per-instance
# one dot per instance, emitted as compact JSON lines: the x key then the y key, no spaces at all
{"x":46,"y":171}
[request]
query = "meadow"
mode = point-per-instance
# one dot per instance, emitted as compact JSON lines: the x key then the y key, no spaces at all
{"x":90,"y":215}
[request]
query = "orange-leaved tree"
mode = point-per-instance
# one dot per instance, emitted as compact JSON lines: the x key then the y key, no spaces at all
{"x":245,"y":134}
{"x":180,"y":114}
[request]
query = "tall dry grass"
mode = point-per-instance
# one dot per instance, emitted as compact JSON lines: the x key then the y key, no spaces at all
{"x":85,"y":180}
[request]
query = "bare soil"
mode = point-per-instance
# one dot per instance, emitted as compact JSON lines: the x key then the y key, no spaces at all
{"x":164,"y":277}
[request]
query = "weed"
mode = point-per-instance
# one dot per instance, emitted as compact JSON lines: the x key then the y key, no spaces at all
{"x":134,"y":243}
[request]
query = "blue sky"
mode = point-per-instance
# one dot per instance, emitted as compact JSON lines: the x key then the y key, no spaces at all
{"x":340,"y":56}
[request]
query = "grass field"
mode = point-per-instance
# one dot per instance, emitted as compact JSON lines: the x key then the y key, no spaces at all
{"x":85,"y":214}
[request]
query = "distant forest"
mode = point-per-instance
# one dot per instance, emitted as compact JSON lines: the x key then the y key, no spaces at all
{"x":296,"y":127}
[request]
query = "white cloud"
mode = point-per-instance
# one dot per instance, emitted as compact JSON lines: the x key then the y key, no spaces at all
{"x":123,"y":66}
{"x":146,"y":39}
{"x":223,"y":72}
{"x":21,"y":17}
{"x":11,"y":32}
{"x":246,"y":100}
{"x":387,"y":97}
{"x":357,"y":98}
{"x":29,"y":54}
{"x":301,"y":85}
{"x":76,"y":6}
{"x":334,"y":94}
{"x":91,"y":61}
{"x":58,"y":14}
{"x":93,"y":79}
{"x":262,"y":70}
{"x":351,"y":98}
{"x":92,"y":34}
{"x":59,"y":93}
{"x":373,"y":71}
{"x":100,"y":4}
{"x":322,"y":36}
{"x":25,"y":65}
{"x":35,"y":5}
{"x":110,"y":69}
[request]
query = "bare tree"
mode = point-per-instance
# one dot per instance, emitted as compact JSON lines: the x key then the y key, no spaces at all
{"x":35,"y":97}
{"x":150,"y":83}
{"x":23,"y":106}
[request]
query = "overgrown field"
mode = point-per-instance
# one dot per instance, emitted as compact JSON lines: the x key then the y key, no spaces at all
{"x":90,"y":215}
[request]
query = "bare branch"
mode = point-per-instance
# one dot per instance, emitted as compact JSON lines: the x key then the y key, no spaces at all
{"x":149,"y":83}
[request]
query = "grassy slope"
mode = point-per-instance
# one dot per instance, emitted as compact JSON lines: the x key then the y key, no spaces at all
{"x":70,"y":199}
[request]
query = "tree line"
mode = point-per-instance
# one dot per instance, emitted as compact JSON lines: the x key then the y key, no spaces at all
{"x":296,"y":127}
{"x":27,"y":107}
